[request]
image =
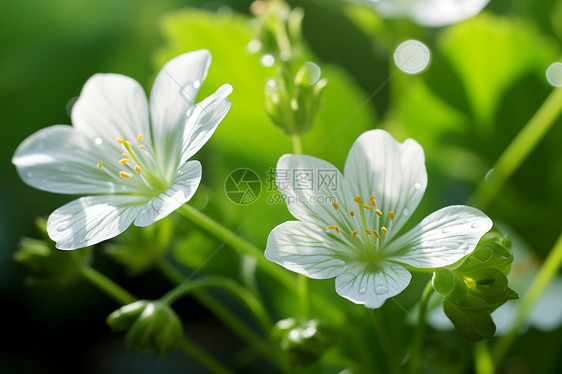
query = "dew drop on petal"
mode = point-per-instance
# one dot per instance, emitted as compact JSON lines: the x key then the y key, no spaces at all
{"x":362,"y":290}
{"x":412,"y":56}
{"x":446,"y":229}
{"x":417,"y":185}
{"x":339,"y":262}
{"x":475,"y":224}
{"x":189,"y":111}
{"x":344,"y":278}
{"x":380,"y":290}
{"x":196,"y":83}
{"x":63,"y":227}
{"x":406,"y":212}
{"x":254,"y":46}
{"x":309,"y":332}
{"x":314,"y":72}
{"x":554,"y":74}
{"x":267,"y":60}
{"x":294,"y":335}
{"x":98,"y":140}
{"x":70,"y":105}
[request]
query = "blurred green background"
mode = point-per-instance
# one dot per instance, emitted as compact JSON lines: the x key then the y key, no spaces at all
{"x":485,"y":81}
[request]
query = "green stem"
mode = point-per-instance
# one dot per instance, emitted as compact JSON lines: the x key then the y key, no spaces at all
{"x":384,"y":341}
{"x":519,"y":149}
{"x":297,"y":144}
{"x":419,"y":333}
{"x":203,"y":357}
{"x":243,"y":246}
{"x":483,"y":361}
{"x":546,"y":273}
{"x":108,"y":286}
{"x":240,"y":292}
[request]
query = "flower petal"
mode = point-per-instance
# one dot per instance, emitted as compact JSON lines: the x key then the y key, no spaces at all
{"x":182,"y":189}
{"x":309,"y":186}
{"x":111,"y":106}
{"x":391,"y":171}
{"x":90,"y":220}
{"x":172,"y":95}
{"x":305,"y":249}
{"x":204,"y":120}
{"x":440,"y":239}
{"x":371,"y":285}
{"x":60,"y":159}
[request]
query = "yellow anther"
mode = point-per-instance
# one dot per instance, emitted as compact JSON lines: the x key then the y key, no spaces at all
{"x":352,"y":213}
{"x":376,"y":234}
{"x":119,"y":140}
{"x":384,"y":230}
{"x":373,"y":202}
{"x":354,"y":233}
{"x":142,"y":147}
{"x":122,"y":174}
{"x":125,"y":155}
{"x":137,"y":169}
{"x":140,"y":137}
{"x":335,"y":228}
{"x":378,"y":212}
{"x":124,"y":161}
{"x":391,"y":215}
{"x":367,"y":207}
{"x":335,"y":205}
{"x":357,"y":198}
{"x":369,"y":232}
{"x":99,"y":164}
{"x":372,"y":197}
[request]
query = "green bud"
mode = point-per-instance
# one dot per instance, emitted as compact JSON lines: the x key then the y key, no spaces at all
{"x":151,"y":325}
{"x":476,"y":286}
{"x":303,"y":341}
{"x":45,"y":263}
{"x":292,"y":102}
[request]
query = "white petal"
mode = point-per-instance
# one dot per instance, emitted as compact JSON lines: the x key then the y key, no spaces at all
{"x":441,"y":239}
{"x":204,"y":120}
{"x":182,"y":189}
{"x":172,"y":95}
{"x":309,"y":186}
{"x":90,"y":220}
{"x":371,"y":285}
{"x":305,"y":249}
{"x":60,"y":159}
{"x":391,"y":171}
{"x":111,"y":106}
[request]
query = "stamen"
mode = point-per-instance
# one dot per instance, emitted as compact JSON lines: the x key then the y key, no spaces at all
{"x":125,"y":155}
{"x":140,"y":137}
{"x":357,"y":198}
{"x":335,"y":205}
{"x":372,"y":197}
{"x":376,"y":234}
{"x":367,"y":207}
{"x":352,"y":213}
{"x":368,"y":232}
{"x":99,"y":164}
{"x":335,"y":228}
{"x":126,"y":142}
{"x":391,"y":215}
{"x":142,"y":147}
{"x":122,"y":174}
{"x":373,"y":203}
{"x":119,"y":140}
{"x":384,"y":230}
{"x":354,"y":233}
{"x":124,"y":161}
{"x":137,"y":169}
{"x":378,"y":212}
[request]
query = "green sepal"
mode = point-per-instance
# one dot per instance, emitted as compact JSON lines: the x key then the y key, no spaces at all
{"x":477,"y":285}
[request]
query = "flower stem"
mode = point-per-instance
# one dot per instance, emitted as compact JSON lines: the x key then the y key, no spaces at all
{"x":108,"y":286}
{"x":384,"y":341}
{"x":546,"y":273}
{"x":483,"y":361}
{"x":246,"y":247}
{"x":203,"y":357}
{"x":519,"y":149}
{"x":297,"y":144}
{"x":419,"y":333}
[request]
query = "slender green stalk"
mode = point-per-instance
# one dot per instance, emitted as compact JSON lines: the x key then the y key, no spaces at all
{"x":483,"y":361}
{"x":419,"y":333}
{"x":243,"y":246}
{"x":297,"y":144}
{"x":384,"y":341}
{"x":203,"y":358}
{"x":519,"y":149}
{"x":546,"y":273}
{"x":108,"y":286}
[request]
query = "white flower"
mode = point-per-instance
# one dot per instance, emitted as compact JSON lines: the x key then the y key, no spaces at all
{"x":354,"y":237}
{"x":128,"y":154}
{"x":430,"y":12}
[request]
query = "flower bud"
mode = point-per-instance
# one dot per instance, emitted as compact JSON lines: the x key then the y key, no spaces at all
{"x":303,"y":341}
{"x":151,"y":325}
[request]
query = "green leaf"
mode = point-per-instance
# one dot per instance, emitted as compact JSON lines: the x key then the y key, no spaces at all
{"x":476,"y":286}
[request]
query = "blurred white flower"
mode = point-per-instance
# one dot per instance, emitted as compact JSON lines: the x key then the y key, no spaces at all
{"x":350,"y":231}
{"x":129,"y":155}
